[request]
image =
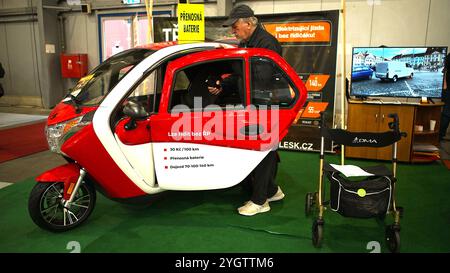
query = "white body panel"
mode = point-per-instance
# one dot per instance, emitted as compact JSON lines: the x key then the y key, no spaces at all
{"x":188,"y":166}
{"x":141,"y":158}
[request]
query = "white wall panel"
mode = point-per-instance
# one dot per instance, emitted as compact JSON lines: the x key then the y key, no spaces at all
{"x":439,"y":23}
{"x":330,"y":4}
{"x":259,"y":7}
{"x":301,"y":6}
{"x":399,"y":22}
{"x":358,"y":23}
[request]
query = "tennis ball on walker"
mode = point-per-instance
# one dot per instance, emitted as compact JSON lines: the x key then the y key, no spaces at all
{"x":361,"y":192}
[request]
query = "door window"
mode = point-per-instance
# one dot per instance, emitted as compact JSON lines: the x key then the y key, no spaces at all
{"x":145,"y":92}
{"x":270,"y":85}
{"x":190,"y":88}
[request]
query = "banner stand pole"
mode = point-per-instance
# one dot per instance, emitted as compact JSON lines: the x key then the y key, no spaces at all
{"x":149,"y":9}
{"x":343,"y":79}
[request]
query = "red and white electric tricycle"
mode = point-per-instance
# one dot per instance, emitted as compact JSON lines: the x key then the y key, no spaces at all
{"x":143,"y":122}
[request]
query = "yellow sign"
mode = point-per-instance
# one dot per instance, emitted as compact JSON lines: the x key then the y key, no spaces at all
{"x":191,"y":23}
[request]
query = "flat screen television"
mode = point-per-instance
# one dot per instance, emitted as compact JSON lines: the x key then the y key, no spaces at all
{"x":397,"y":72}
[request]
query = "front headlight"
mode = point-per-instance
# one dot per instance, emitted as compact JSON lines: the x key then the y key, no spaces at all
{"x":57,"y":134}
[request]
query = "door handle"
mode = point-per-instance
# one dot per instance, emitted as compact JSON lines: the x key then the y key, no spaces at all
{"x":252,"y":130}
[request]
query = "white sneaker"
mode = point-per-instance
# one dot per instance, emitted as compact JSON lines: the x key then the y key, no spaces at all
{"x":277,"y":196}
{"x":250,"y":208}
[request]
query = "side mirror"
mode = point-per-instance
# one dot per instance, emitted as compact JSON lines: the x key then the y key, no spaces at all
{"x":135,"y":111}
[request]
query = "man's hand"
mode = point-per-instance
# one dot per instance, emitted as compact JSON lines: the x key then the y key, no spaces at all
{"x":215,"y":90}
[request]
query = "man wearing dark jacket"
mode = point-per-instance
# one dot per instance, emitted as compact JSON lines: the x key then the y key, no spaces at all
{"x":245,"y":27}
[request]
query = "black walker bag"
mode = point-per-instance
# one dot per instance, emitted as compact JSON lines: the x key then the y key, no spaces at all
{"x":369,"y":197}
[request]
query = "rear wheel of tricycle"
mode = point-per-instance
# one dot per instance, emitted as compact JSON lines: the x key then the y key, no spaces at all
{"x":47,"y":210}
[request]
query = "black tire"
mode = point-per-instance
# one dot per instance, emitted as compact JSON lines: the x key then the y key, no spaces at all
{"x":393,"y":238}
{"x":46,"y":196}
{"x":394,"y":79}
{"x":317,"y":233}
{"x":309,"y":201}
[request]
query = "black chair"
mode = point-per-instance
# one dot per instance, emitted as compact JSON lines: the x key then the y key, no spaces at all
{"x":370,"y":194}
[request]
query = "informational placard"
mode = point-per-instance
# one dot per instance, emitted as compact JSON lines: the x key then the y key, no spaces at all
{"x":309,"y":45}
{"x":191,"y":23}
{"x":298,"y":32}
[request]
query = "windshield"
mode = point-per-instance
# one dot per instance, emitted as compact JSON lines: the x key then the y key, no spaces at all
{"x":91,"y":90}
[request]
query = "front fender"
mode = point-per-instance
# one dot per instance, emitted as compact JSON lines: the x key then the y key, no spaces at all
{"x":68,"y":174}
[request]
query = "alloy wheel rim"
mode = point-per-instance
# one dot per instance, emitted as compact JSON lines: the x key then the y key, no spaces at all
{"x":55,"y":213}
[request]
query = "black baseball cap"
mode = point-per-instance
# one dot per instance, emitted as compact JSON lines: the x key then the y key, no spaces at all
{"x":241,"y":11}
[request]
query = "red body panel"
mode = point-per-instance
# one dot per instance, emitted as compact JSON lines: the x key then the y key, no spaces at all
{"x":64,"y":111}
{"x":85,"y":148}
{"x":67,"y":174}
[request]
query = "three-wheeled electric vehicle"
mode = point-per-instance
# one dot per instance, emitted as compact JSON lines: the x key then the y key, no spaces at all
{"x":144,"y":121}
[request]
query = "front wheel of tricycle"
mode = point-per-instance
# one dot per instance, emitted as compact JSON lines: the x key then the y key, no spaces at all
{"x":47,"y":209}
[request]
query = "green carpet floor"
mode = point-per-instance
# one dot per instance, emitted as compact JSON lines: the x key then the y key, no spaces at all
{"x":207,"y":221}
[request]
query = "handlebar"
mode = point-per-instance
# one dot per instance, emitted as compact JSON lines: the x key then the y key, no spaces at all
{"x":395,"y":125}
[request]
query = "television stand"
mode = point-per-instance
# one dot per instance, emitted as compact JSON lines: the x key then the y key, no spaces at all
{"x":374,"y":117}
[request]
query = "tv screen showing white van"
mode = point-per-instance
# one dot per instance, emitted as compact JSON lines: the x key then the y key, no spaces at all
{"x":398,"y":71}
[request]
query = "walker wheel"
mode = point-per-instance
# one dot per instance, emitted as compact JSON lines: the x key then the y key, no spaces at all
{"x":393,"y":238}
{"x":317,"y":232}
{"x":400,"y":211}
{"x":309,"y":200}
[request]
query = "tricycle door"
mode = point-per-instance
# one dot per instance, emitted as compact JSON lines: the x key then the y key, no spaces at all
{"x":206,"y":141}
{"x":276,"y":96}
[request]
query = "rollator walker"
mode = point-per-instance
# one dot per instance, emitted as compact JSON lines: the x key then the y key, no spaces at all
{"x":368,"y":195}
